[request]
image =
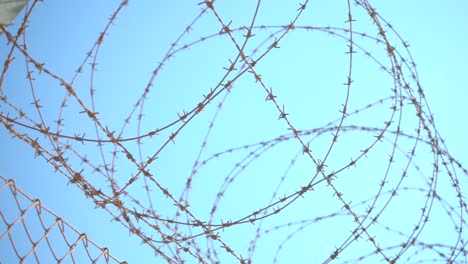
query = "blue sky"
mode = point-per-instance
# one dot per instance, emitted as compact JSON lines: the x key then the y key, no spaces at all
{"x":306,"y":75}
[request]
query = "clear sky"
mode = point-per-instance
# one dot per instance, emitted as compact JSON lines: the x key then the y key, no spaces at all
{"x":237,"y":146}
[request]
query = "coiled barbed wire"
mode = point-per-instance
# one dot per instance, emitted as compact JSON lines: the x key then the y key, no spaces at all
{"x":243,"y":141}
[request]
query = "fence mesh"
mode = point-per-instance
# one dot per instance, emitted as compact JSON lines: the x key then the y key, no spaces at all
{"x":31,"y":233}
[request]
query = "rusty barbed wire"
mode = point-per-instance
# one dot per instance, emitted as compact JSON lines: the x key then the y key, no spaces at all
{"x":367,"y":167}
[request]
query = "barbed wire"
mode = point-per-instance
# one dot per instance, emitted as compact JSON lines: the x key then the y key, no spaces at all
{"x":373,"y":182}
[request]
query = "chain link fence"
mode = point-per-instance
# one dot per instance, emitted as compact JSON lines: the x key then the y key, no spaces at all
{"x":32,"y":233}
